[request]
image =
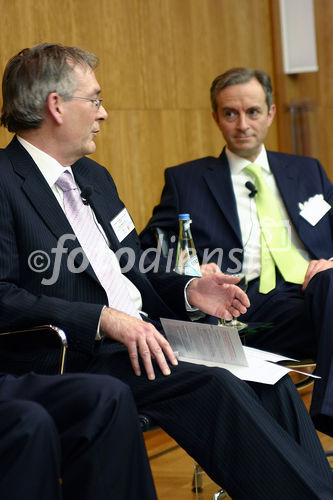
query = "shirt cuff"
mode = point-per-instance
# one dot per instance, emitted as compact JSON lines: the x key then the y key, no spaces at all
{"x":193,"y":312}
{"x":99,"y":335}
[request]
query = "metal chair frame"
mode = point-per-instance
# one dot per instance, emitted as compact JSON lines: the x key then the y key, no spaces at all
{"x":55,"y":330}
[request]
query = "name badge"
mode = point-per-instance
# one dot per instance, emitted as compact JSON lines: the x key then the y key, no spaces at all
{"x":122,"y":224}
{"x":314,"y":209}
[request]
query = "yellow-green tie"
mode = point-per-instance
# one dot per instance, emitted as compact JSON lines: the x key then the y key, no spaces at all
{"x":277,"y":248}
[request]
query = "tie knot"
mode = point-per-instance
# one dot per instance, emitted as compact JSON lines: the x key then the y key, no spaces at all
{"x":254,"y":170}
{"x":66,"y":182}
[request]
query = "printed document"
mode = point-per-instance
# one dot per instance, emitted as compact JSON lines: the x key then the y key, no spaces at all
{"x":221,"y":346}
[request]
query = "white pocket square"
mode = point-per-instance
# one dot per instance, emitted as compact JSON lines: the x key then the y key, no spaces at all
{"x":314,"y":208}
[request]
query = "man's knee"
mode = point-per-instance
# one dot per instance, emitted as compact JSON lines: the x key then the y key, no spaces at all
{"x":26,"y":418}
{"x":322,"y":278}
{"x":94,"y":390}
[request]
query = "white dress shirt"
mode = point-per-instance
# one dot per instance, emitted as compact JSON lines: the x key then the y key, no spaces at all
{"x":51,"y":170}
{"x":247,"y":211}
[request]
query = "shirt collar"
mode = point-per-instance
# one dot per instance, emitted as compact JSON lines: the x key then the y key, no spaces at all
{"x":237,"y":163}
{"x":49,"y":167}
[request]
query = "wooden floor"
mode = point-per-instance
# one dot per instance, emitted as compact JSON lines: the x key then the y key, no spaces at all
{"x":173,"y":469}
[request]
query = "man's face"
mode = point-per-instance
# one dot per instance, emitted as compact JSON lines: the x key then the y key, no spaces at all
{"x":82,"y":118}
{"x":243,"y":118}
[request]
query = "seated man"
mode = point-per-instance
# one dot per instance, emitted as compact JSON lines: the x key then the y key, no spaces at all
{"x":71,"y":436}
{"x":51,"y":100}
{"x":276,"y":227}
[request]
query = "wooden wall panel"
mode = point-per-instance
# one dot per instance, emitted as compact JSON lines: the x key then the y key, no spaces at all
{"x":158,"y":58}
{"x":324,"y":84}
{"x":316,"y":87}
{"x":178,"y":135}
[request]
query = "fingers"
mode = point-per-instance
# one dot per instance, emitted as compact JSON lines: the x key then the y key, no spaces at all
{"x":227,"y":279}
{"x":315,"y":267}
{"x":210,"y":268}
{"x":308,"y":274}
{"x":166,"y":347}
{"x":235,"y":309}
{"x":238,"y":307}
{"x":227,"y":315}
{"x":244,"y":301}
{"x":151,"y":344}
{"x":146,"y":358}
{"x":149,"y":347}
{"x":141,"y":339}
{"x":133,"y":355}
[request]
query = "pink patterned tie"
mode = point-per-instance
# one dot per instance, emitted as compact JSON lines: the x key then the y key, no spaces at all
{"x":95,"y":247}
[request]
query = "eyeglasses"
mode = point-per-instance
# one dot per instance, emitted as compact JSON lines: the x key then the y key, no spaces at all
{"x":97,"y":102}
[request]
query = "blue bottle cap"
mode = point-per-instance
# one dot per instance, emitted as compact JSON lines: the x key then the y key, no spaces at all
{"x":183,"y":216}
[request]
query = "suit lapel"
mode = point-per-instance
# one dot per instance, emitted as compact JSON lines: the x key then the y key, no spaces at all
{"x":42,"y":198}
{"x":286,"y":177}
{"x":37,"y":190}
{"x":218,"y":179}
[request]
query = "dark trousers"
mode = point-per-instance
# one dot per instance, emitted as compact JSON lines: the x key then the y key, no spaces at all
{"x":256,"y":440}
{"x":302,"y":327}
{"x":82,"y":428}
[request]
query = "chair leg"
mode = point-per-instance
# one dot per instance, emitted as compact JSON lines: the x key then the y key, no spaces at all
{"x":329,"y":455}
{"x":197,"y":480}
{"x":197,"y":484}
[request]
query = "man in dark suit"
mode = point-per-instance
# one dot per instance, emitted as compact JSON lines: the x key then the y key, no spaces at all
{"x":221,"y":195}
{"x":112,"y":317}
{"x":71,"y":436}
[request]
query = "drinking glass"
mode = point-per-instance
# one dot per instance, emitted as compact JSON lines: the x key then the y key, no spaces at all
{"x":234,"y":321}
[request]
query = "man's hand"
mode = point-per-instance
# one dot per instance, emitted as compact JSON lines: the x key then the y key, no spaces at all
{"x":139,"y":337}
{"x":315,"y":267}
{"x":218,"y":295}
{"x":210,"y":268}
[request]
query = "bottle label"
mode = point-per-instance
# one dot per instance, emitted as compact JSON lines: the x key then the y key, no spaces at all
{"x":186,"y":224}
{"x":192,"y":267}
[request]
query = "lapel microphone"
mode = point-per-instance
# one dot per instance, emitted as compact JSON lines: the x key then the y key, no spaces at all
{"x":251,"y":187}
{"x":86,"y":193}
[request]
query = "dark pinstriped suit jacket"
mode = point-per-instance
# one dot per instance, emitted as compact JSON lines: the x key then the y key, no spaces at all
{"x":31,"y":220}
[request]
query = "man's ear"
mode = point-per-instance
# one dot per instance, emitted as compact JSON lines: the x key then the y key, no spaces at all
{"x":54,"y":107}
{"x":271,"y":114}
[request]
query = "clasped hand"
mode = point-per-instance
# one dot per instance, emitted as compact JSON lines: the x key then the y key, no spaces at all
{"x":215,"y":294}
{"x":316,"y":266}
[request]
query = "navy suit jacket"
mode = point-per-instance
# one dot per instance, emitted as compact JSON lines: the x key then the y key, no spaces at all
{"x":203,"y":188}
{"x":31,"y":223}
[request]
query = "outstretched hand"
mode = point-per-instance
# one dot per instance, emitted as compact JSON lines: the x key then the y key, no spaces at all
{"x":218,"y":295}
{"x":140,"y":338}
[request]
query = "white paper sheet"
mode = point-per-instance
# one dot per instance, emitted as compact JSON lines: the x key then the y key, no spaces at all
{"x":274,"y":358}
{"x":267,"y":356}
{"x":220,"y":346}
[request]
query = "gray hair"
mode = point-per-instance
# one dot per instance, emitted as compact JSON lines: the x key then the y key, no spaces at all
{"x":31,"y":75}
{"x":235,"y":76}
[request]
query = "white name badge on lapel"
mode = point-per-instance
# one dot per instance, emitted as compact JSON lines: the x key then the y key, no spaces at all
{"x":122,"y":224}
{"x":314,"y":209}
